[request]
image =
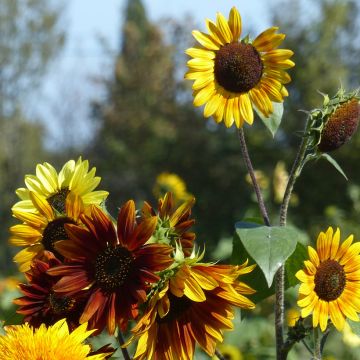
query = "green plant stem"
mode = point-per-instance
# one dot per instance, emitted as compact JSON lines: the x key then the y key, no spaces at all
{"x":281,"y":352}
{"x":317,"y":344}
{"x":123,"y":350}
{"x":219,"y":355}
{"x":251,"y":172}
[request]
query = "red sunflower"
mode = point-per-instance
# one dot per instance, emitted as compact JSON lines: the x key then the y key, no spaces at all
{"x":115,"y":269}
{"x":41,"y":305}
{"x":173,"y":222}
{"x":195,"y":306}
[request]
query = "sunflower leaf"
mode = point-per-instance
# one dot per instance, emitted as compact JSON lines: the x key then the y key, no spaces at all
{"x":273,"y":121}
{"x":334,"y":163}
{"x":269,"y":247}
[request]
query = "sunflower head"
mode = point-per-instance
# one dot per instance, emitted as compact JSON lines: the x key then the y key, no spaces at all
{"x":40,"y":230}
{"x":49,"y":343}
{"x":74,"y":178}
{"x":330,"y":281}
{"x":169,"y":182}
{"x":233,"y":75}
{"x":173,"y":222}
{"x":336,"y":122}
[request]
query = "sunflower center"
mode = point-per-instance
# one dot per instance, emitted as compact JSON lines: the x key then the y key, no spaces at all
{"x":54,"y":232}
{"x":58,"y":200}
{"x":329,"y":280}
{"x":60,"y":304}
{"x":238,"y":67}
{"x":112,"y":267}
{"x":178,"y":306}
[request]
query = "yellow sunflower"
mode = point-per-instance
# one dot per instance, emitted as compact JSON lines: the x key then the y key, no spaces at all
{"x":22,"y":342}
{"x":169,"y":182}
{"x":331,"y":281}
{"x":73,"y":178}
{"x":233,"y":75}
{"x":195,"y":305}
{"x":39,"y":231}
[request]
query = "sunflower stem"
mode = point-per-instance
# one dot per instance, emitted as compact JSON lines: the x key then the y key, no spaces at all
{"x":123,"y":349}
{"x":317,"y":345}
{"x":251,"y":172}
{"x":219,"y":355}
{"x":281,"y":353}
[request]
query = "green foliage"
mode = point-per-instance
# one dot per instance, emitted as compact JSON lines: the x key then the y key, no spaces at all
{"x":273,"y":121}
{"x":269,"y":248}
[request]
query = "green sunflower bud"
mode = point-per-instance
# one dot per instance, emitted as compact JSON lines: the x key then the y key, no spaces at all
{"x":336,"y":122}
{"x":340,"y":126}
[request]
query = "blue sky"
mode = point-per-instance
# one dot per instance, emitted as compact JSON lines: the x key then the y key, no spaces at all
{"x":70,"y":85}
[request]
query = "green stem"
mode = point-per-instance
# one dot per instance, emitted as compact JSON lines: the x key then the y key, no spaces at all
{"x":317,"y":344}
{"x":281,"y":352}
{"x":219,"y":355}
{"x":251,"y":172}
{"x":123,"y":350}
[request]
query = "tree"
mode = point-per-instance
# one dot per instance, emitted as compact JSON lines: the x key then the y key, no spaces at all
{"x":31,"y":36}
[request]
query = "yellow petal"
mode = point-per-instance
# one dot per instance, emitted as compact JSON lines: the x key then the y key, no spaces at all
{"x":204,"y":95}
{"x":200,"y":53}
{"x":336,"y":315}
{"x":199,"y":64}
{"x":205,"y":40}
{"x":228,"y":115}
{"x":246,"y":111}
{"x":335,"y":244}
{"x":313,"y":255}
{"x":42,"y":205}
{"x":223,"y":26}
{"x":235,"y":23}
{"x":212,"y":105}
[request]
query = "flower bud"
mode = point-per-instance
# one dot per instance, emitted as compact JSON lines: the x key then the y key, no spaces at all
{"x":340,"y":125}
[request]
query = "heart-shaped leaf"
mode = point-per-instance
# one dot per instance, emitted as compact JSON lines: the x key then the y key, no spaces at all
{"x":273,"y":121}
{"x":268,"y":246}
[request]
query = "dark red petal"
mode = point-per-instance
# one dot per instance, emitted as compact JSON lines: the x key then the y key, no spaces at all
{"x":111,"y":315}
{"x":95,"y":302}
{"x":126,"y":222}
{"x":142,"y":233}
{"x":81,"y":235}
{"x":72,"y":284}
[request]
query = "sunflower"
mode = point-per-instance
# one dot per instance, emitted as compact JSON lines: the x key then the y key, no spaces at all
{"x":173,"y":222}
{"x":41,"y":230}
{"x":48,"y":343}
{"x":114,"y":270}
{"x":195,"y":306}
{"x":40,"y":304}
{"x":168,"y":182}
{"x":233,"y":75}
{"x":74,"y":178}
{"x":331,"y":281}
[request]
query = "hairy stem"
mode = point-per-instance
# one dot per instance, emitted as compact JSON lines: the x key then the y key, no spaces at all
{"x":251,"y":172}
{"x":123,"y":350}
{"x":317,"y":345}
{"x":219,"y":355}
{"x":281,"y":353}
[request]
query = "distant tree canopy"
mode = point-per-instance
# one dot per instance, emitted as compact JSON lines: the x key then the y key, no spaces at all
{"x":31,"y":36}
{"x":145,"y":129}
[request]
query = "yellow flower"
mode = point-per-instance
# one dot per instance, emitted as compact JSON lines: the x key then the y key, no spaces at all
{"x":349,"y":337}
{"x":168,"y":182}
{"x":194,"y":306}
{"x":292,"y":316}
{"x":22,"y":342}
{"x":331,"y":281}
{"x":229,"y":352}
{"x":74,"y":178}
{"x":39,"y":231}
{"x":233,"y":75}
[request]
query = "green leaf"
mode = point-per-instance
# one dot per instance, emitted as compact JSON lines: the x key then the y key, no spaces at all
{"x":268,"y":246}
{"x":273,"y":121}
{"x":256,"y":278}
{"x":334,"y":163}
{"x":294,"y":263}
{"x":355,"y":326}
